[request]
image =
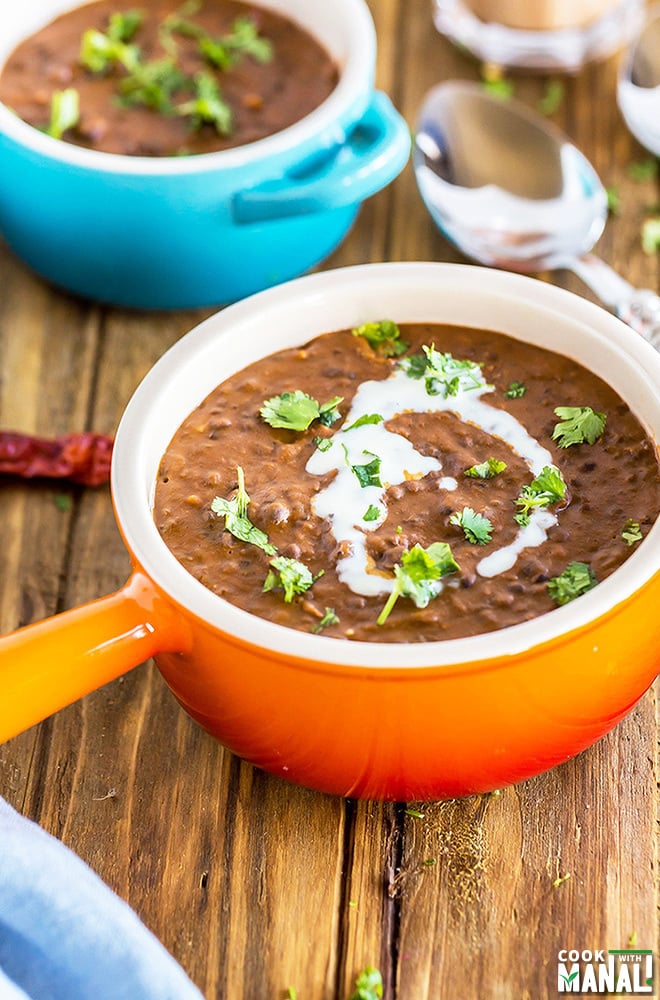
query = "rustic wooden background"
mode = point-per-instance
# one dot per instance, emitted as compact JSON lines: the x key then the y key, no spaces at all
{"x":254,"y":885}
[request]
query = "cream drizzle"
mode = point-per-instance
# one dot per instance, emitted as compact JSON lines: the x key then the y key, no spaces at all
{"x":344,"y":501}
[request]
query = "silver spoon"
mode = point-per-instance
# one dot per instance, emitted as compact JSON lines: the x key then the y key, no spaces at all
{"x":638,"y":88}
{"x":511,"y":191}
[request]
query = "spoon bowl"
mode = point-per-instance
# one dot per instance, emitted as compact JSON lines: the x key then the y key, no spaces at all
{"x":511,"y":191}
{"x":638,"y":89}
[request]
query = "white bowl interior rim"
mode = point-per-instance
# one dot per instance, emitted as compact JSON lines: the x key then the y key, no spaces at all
{"x":344,"y":27}
{"x":292,"y":314}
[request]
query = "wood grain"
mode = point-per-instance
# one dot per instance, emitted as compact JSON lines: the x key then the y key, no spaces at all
{"x":254,"y":885}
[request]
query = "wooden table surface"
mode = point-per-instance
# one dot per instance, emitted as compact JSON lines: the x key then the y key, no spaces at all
{"x":257,"y":887}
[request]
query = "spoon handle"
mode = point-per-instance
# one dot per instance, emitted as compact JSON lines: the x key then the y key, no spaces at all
{"x":638,"y":307}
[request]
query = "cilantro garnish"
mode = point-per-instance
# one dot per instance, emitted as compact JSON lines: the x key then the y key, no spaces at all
{"x":244,"y":40}
{"x":208,"y":106}
{"x":651,"y":235}
{"x":552,"y":97}
{"x":643,"y":170}
{"x":577,"y":424}
{"x":123,"y":26}
{"x":486,"y":470}
{"x":368,"y":985}
{"x":64,"y":112}
{"x":289,"y":575}
{"x":547,"y":488}
{"x":442,"y":373}
{"x":368,"y":474}
{"x":153,"y":84}
{"x":575,"y":580}
{"x":323,"y":443}
{"x":516,"y":390}
{"x":99,"y":51}
{"x":477,"y":528}
{"x":372,"y":513}
{"x":295,"y":411}
{"x":418,"y":574}
{"x":366,"y":418}
{"x":236,"y":518}
{"x":329,"y":618}
{"x":631,"y":532}
{"x":384,"y":337}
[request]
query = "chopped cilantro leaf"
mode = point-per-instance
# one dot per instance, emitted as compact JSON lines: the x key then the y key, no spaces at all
{"x":236,"y":518}
{"x":443,"y":374}
{"x":651,"y":236}
{"x":552,"y":97}
{"x":575,"y":580}
{"x":289,"y":575}
{"x":295,"y":411}
{"x":323,"y":443}
{"x":244,"y":40}
{"x":152,"y":84}
{"x":98,"y":52}
{"x":368,"y":474}
{"x":64,"y":112}
{"x":631,"y":532}
{"x":372,"y":513}
{"x":547,"y":488}
{"x":516,"y":390}
{"x":123,"y":26}
{"x":208,"y":106}
{"x":366,"y":418}
{"x":418,"y":574}
{"x":486,"y":470}
{"x":384,"y":337}
{"x":577,"y":424}
{"x":329,"y":618}
{"x":643,"y":170}
{"x":477,"y":528}
{"x":368,"y":985}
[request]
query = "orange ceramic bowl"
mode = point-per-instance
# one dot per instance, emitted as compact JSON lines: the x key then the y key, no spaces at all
{"x":377,"y":720}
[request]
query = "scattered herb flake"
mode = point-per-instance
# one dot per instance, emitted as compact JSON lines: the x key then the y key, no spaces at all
{"x":414,"y":812}
{"x":575,"y":580}
{"x":289,"y":575}
{"x":384,"y":337}
{"x":552,"y":97}
{"x":329,"y":618}
{"x":418,"y":575}
{"x":651,"y":235}
{"x":368,"y":985}
{"x":323,"y":443}
{"x":122,"y":27}
{"x":369,"y":474}
{"x":208,"y":106}
{"x":372,"y":513}
{"x":62,"y":502}
{"x":547,"y":488}
{"x":295,"y":411}
{"x":486,"y":470}
{"x":443,"y":374}
{"x":643,"y":170}
{"x":631,"y":532}
{"x":152,"y":85}
{"x":244,"y":40}
{"x":516,"y":390}
{"x":613,"y":201}
{"x":236,"y":518}
{"x":477,"y":528}
{"x":64,"y":112}
{"x":577,"y":424}
{"x":366,"y":418}
{"x":99,"y":51}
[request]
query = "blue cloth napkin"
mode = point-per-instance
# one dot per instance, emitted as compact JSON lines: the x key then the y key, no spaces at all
{"x":64,"y":935}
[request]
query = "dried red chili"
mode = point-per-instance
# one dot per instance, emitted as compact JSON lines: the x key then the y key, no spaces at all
{"x":79,"y":458}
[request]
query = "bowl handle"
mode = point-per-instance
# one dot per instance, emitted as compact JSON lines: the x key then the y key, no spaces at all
{"x":50,"y":664}
{"x":368,"y":157}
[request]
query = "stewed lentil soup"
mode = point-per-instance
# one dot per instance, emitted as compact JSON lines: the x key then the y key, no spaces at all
{"x":167,"y":77}
{"x":407,"y":483}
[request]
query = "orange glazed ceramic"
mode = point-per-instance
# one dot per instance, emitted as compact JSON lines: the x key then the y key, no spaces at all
{"x":376,"y":720}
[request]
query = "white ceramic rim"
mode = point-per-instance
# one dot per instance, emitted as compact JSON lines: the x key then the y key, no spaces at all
{"x":336,"y":299}
{"x":344,"y":27}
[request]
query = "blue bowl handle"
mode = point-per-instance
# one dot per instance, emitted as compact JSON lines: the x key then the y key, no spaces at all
{"x":369,"y":156}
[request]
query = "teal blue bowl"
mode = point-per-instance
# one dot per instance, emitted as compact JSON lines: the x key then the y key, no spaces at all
{"x":185,"y":232}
